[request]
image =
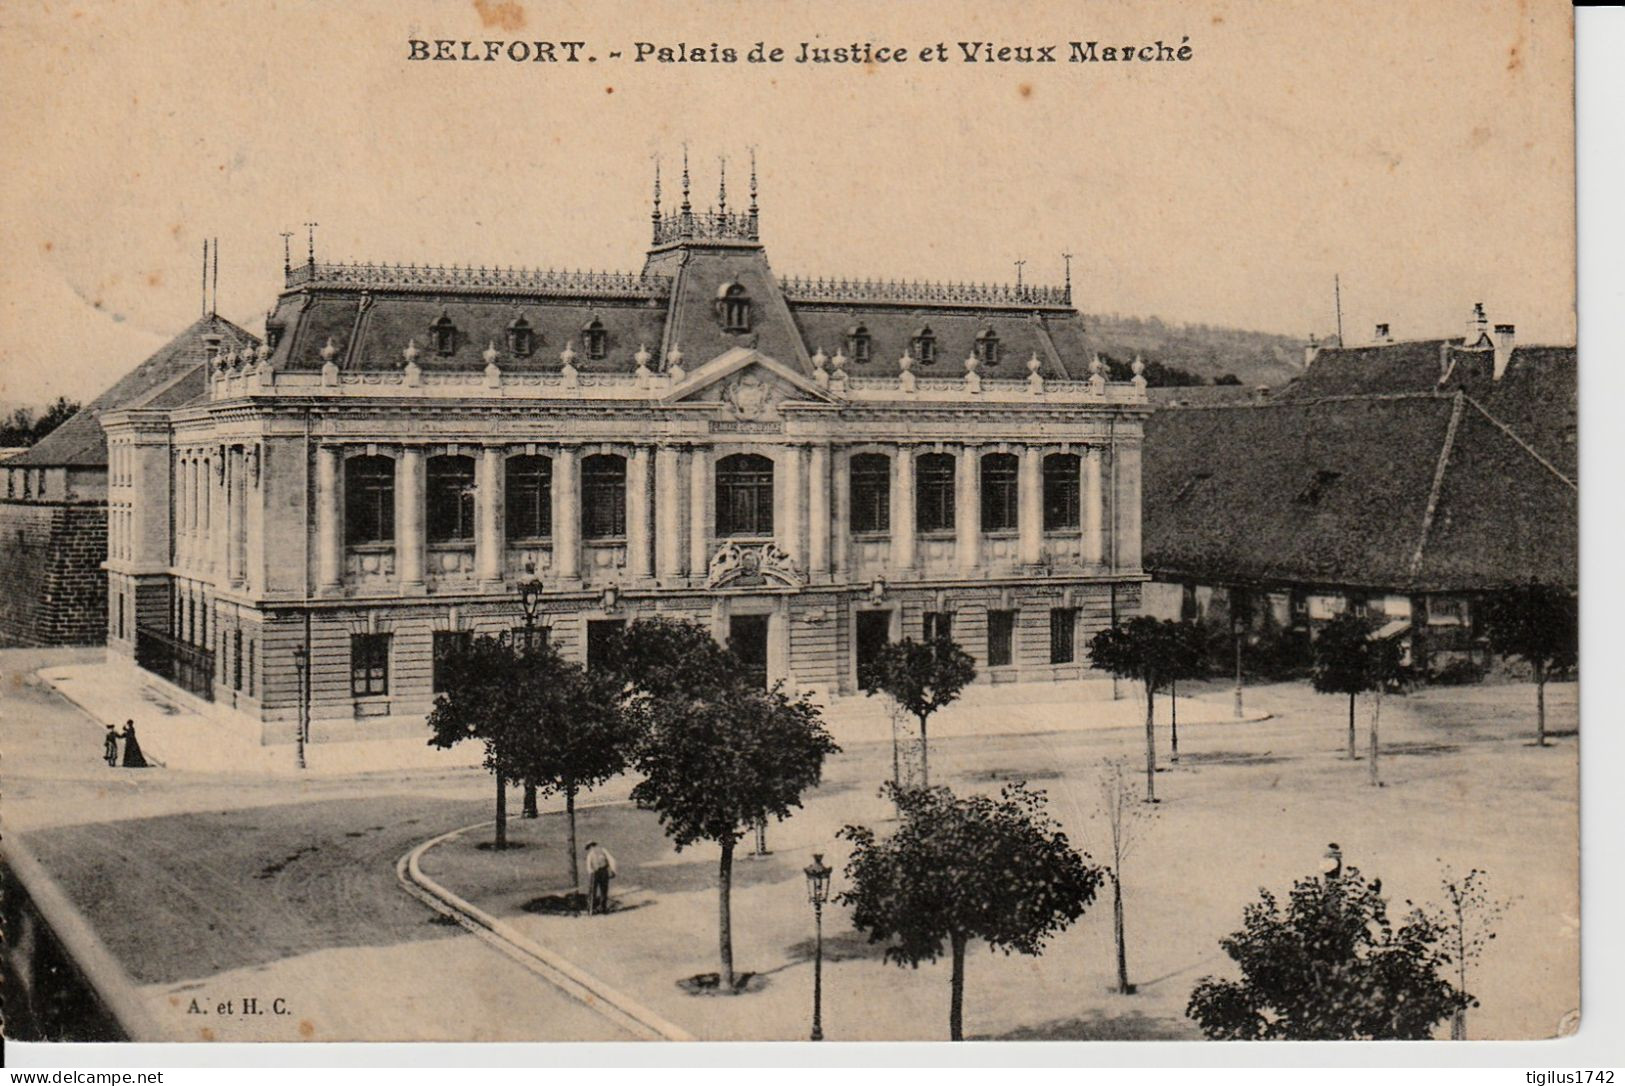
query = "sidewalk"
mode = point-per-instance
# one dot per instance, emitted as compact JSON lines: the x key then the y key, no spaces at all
{"x":177,"y":737}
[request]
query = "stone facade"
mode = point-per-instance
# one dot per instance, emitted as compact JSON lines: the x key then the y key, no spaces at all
{"x":52,"y":588}
{"x":412,"y":444}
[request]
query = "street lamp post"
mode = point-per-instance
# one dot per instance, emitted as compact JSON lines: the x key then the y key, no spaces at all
{"x":530,"y":601}
{"x":818,"y":893}
{"x":301,"y":665}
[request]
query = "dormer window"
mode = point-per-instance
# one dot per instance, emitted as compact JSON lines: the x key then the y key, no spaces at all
{"x":733,"y":308}
{"x":273,"y":332}
{"x":925,"y":346}
{"x":594,"y":338}
{"x":444,"y":335}
{"x":987,"y":348}
{"x":521,"y":338}
{"x":857,"y":343}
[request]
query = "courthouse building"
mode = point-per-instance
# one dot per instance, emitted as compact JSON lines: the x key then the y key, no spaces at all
{"x":811,"y":467}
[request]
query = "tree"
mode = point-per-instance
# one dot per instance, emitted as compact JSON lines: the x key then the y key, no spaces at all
{"x":999,"y":870}
{"x":1469,"y":914}
{"x":1145,"y":649}
{"x":921,"y":677}
{"x":1349,"y":659}
{"x":1125,"y":816}
{"x":1331,"y":967}
{"x":1541,"y":624}
{"x":719,"y":754}
{"x":578,"y":738}
{"x":23,"y":427}
{"x":489,"y":697}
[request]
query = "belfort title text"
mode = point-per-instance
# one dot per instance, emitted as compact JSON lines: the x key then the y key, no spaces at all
{"x":852,"y":53}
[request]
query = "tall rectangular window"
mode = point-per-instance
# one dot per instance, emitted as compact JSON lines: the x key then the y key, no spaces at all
{"x":528,"y":497}
{"x":871,"y":492}
{"x":603,"y":496}
{"x":236,"y":659}
{"x":1000,"y":507}
{"x":369,"y":500}
{"x":451,"y":499}
{"x":1001,"y":636}
{"x":934,"y":493}
{"x":1061,"y":491}
{"x":369,"y":664}
{"x":1063,"y":621}
{"x":938,"y":624}
{"x":447,"y":644}
{"x":744,"y":495}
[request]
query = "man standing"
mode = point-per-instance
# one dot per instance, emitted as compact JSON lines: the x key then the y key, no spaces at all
{"x":110,"y":746}
{"x":600,"y":869}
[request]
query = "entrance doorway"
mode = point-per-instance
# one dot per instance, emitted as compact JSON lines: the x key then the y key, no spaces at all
{"x":874,"y":631}
{"x":747,"y":637}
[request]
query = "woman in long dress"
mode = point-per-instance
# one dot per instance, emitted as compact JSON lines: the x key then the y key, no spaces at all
{"x":133,"y":758}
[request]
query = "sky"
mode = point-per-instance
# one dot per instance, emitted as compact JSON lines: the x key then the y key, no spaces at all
{"x":1421,"y":153}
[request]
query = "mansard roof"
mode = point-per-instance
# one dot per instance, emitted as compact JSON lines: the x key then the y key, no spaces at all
{"x":170,"y":376}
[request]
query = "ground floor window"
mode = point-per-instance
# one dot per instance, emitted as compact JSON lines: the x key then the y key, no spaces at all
{"x":447,"y":644}
{"x":369,"y":664}
{"x":236,"y":659}
{"x":1062,"y":647}
{"x":1001,"y":636}
{"x":938,"y":624}
{"x":600,"y":635}
{"x":873,"y":632}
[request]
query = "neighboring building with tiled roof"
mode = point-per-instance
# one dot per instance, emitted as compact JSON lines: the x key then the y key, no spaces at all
{"x":1409,"y":478}
{"x":53,"y":512}
{"x":811,"y":467}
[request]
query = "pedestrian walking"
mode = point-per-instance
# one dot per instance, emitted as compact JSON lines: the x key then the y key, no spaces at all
{"x":133,"y":758}
{"x":600,"y":869}
{"x":110,"y":746}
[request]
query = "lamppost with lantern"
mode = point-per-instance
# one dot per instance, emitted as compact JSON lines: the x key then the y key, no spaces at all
{"x":301,"y":666}
{"x":530,"y":601}
{"x":818,"y":877}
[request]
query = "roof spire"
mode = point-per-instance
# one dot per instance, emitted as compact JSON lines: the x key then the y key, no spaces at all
{"x":753,"y":213}
{"x":654,"y":216}
{"x":722,"y":185}
{"x":214,"y":291}
{"x":287,"y":253}
{"x":203,"y":290}
{"x":686,"y":206}
{"x":310,"y":233}
{"x":1067,"y":296}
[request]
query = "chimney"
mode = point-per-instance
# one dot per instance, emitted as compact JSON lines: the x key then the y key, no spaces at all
{"x":1382,"y":335}
{"x":1477,"y":325}
{"x":1505,"y":337}
{"x":1310,"y":352}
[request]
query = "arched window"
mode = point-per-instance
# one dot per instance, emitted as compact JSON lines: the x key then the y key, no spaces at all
{"x":595,"y":339}
{"x":987,"y":347}
{"x":603,"y":496}
{"x":450,"y":487}
{"x":529,"y":497}
{"x":1060,"y":491}
{"x":733,"y":308}
{"x":744,"y":495}
{"x":521,"y":338}
{"x":934,"y":493}
{"x":999,"y":504}
{"x":925,"y":346}
{"x":369,"y":500}
{"x":858,"y":343}
{"x":444,"y":334}
{"x":871,"y":492}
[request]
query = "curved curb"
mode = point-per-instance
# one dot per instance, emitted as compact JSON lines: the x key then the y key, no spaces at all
{"x":575,"y":982}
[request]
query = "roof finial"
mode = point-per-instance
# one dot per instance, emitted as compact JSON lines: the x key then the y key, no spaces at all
{"x":287,"y":253}
{"x":685,"y":179}
{"x":310,"y":232}
{"x":722,"y":185}
{"x":203,"y":288}
{"x":214,"y":287}
{"x":1067,"y":257}
{"x":654,"y":216}
{"x":753,"y":212}
{"x":1019,"y":265}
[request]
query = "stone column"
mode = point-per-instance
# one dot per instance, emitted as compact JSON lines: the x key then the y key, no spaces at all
{"x":1126,"y":473}
{"x":792,"y":505}
{"x":699,"y":505}
{"x":968,"y":508}
{"x":638,"y":522}
{"x":409,"y":512}
{"x":329,"y":536}
{"x":669,"y":547}
{"x":1092,"y":498}
{"x":841,"y":531}
{"x":489,"y":538}
{"x":1030,"y":489}
{"x":567,"y":513}
{"x":818,"y":512}
{"x":902,"y":508}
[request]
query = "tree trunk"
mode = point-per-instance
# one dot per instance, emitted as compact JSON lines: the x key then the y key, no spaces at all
{"x":925,"y":758}
{"x":1376,"y":718}
{"x":725,"y":943}
{"x":502,"y":813}
{"x":1150,"y":745}
{"x":1540,"y":704}
{"x":530,"y":798}
{"x":1237,"y":635}
{"x":1117,"y":929}
{"x":956,"y":1003}
{"x":1173,"y":716}
{"x":1354,"y":753}
{"x":570,"y":817}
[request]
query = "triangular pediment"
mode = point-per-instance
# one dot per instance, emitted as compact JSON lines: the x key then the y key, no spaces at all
{"x":749,"y":381}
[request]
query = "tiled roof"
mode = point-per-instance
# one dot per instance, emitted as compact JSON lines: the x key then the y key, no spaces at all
{"x":80,"y":442}
{"x":1410,"y":493}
